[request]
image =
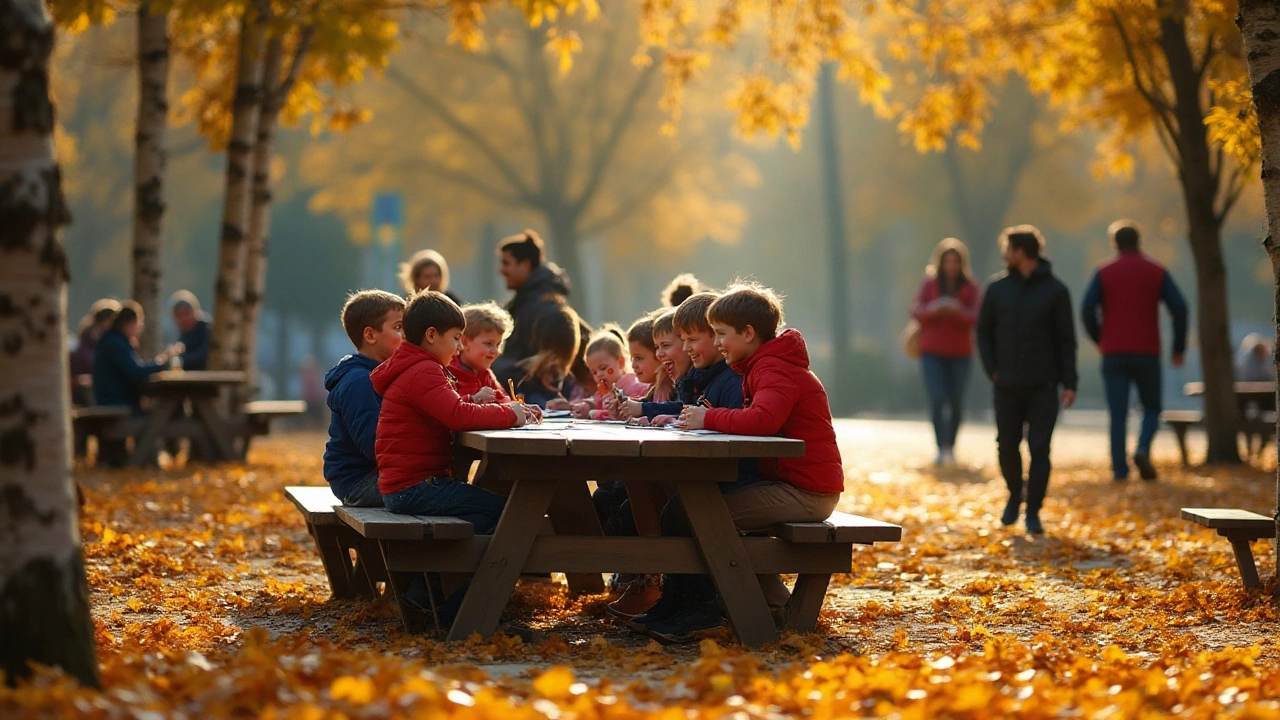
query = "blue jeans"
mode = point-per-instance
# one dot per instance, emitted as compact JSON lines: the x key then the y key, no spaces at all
{"x":945,"y":379}
{"x":364,"y":493}
{"x":447,"y":497}
{"x":1118,"y":373}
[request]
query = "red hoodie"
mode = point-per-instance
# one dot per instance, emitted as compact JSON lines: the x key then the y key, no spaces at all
{"x":782,"y":397}
{"x":470,"y":381}
{"x":420,"y":412}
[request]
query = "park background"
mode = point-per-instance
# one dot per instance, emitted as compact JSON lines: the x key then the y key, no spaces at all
{"x":724,"y":207}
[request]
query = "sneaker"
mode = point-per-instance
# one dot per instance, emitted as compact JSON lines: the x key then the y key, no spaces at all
{"x":417,"y":596}
{"x":1011,"y":510}
{"x":948,"y":457}
{"x":1120,"y":478}
{"x":669,"y":603}
{"x":621,"y":581}
{"x":1145,"y":468}
{"x":685,"y":626}
{"x":940,"y":458}
{"x":640,"y":595}
{"x":1033,"y":524}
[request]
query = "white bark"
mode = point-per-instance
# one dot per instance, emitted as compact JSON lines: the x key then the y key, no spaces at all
{"x":1260,"y":26}
{"x":44,"y":613}
{"x":228,"y":317}
{"x":148,"y":175}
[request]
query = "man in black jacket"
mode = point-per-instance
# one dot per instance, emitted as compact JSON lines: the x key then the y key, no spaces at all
{"x":1027,"y":338}
{"x":540,"y":288}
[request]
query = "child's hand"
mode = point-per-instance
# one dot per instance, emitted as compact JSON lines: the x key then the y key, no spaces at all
{"x":534,"y":414}
{"x":486,"y":395}
{"x":518,"y":409}
{"x":641,"y":421}
{"x":611,"y":404}
{"x":663,"y":420}
{"x":581,"y":409}
{"x":629,"y":410}
{"x":693,"y":417}
{"x":558,"y":404}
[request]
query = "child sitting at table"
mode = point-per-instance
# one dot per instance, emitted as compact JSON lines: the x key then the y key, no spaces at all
{"x":546,"y":378}
{"x":421,"y":410}
{"x":783,"y":398}
{"x":487,"y":326}
{"x":606,"y":357}
{"x":371,"y":319}
{"x":670,"y":354}
{"x":645,"y":363}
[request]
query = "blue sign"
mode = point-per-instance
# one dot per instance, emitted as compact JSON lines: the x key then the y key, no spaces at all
{"x":382,"y":255}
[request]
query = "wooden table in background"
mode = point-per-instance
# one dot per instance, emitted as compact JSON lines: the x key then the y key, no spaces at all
{"x":210,"y":429}
{"x":1261,"y":395}
{"x":544,"y":473}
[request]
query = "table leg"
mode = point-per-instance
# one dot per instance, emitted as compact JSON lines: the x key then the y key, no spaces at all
{"x":806,"y":602}
{"x":646,"y":501}
{"x":215,"y":427}
{"x":572,"y":513}
{"x":145,"y":443}
{"x":503,"y":560}
{"x":727,"y":560}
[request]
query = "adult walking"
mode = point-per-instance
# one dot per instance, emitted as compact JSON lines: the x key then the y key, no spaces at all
{"x":1121,"y":315}
{"x":427,"y":270}
{"x":946,"y":307}
{"x":541,"y":287}
{"x":1027,"y":338}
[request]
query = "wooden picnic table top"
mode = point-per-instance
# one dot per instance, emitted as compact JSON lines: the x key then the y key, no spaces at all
{"x":196,"y":378}
{"x":603,"y":439}
{"x":1193,"y":389}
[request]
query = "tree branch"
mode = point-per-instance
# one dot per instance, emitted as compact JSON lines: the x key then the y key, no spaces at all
{"x":467,"y":132}
{"x":469,"y":181}
{"x":640,"y":200}
{"x":604,"y":153}
{"x":1206,"y":56}
{"x":1153,"y":97}
{"x":1235,"y":188}
{"x":295,"y":65}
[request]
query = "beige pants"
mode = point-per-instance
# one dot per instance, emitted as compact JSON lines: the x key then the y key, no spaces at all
{"x":763,"y":505}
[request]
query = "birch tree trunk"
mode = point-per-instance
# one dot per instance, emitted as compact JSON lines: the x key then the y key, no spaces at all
{"x":228,"y":314}
{"x":1259,"y":22}
{"x":44,"y":603}
{"x":259,"y":220}
{"x":148,"y":170}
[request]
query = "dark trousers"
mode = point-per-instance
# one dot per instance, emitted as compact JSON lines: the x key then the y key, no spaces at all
{"x":1119,"y":372}
{"x":945,"y":379}
{"x":614,"y":509}
{"x":449,"y":498}
{"x":1029,"y":412}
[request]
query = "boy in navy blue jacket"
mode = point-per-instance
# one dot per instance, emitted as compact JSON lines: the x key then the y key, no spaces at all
{"x":372,"y":319}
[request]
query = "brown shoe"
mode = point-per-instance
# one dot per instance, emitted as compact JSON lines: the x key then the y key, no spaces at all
{"x":639,"y":596}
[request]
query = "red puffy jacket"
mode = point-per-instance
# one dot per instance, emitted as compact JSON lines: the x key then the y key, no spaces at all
{"x":782,"y":397}
{"x":420,"y":412}
{"x":470,"y":381}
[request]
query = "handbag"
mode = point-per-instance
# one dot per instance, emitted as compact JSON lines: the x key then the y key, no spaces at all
{"x":910,"y":339}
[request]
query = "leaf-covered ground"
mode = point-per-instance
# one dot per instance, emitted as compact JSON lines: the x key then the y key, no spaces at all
{"x":209,"y":600}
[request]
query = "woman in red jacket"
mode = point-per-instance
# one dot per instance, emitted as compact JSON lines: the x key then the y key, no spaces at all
{"x":946,"y":306}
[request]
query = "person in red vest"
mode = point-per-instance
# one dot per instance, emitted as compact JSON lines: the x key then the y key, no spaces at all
{"x":1121,"y":314}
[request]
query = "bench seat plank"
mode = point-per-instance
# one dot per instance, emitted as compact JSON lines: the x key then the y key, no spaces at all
{"x":275,"y":407}
{"x":1230,"y":519}
{"x":840,"y":528}
{"x":100,"y":412}
{"x":317,"y":504}
{"x":380,"y":524}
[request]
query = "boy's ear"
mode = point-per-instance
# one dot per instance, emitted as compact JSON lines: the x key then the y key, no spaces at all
{"x":369,"y":335}
{"x":431,"y":335}
{"x":749,"y":334}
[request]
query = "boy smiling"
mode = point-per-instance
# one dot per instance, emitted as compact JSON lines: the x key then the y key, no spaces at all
{"x":487,"y":326}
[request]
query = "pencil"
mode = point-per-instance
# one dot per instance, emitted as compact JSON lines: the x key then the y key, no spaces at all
{"x":704,"y":403}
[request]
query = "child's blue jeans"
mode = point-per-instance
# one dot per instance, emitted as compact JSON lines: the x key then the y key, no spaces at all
{"x":449,"y":498}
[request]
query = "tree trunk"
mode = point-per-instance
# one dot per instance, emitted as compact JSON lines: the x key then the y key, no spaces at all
{"x":228,"y":317}
{"x":1199,"y":190}
{"x":837,"y":239}
{"x":44,"y":600}
{"x":562,"y":248}
{"x":1259,"y":22}
{"x":259,"y":220}
{"x":148,"y":170}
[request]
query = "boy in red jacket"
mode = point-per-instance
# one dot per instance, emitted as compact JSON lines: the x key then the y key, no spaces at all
{"x":421,"y":409}
{"x":781,"y":397}
{"x":487,"y":326}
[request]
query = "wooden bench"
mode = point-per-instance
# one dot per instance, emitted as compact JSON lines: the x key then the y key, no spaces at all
{"x":449,"y":549}
{"x":1240,"y":527}
{"x":102,"y":421}
{"x":349,"y":577}
{"x":1181,"y":421}
{"x":258,"y":416}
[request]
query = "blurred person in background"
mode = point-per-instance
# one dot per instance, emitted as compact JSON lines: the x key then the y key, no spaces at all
{"x":946,"y":307}
{"x":193,"y":330}
{"x":119,"y":373}
{"x":541,"y":290}
{"x":1254,"y":362}
{"x":427,"y":270}
{"x":681,"y":288}
{"x":92,"y":327}
{"x":1121,"y":314}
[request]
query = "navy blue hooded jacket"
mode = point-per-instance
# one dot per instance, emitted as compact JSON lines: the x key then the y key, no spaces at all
{"x":196,"y":342}
{"x":118,"y":372}
{"x":353,"y":424}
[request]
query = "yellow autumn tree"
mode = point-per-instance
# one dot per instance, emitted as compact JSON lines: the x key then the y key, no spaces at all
{"x":510,"y":129}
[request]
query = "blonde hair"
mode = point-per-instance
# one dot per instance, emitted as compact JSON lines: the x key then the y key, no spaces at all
{"x":609,"y":338}
{"x":486,"y":316}
{"x":417,"y":262}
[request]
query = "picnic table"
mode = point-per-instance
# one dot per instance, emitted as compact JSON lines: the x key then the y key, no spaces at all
{"x":1256,"y":398}
{"x":1257,"y":402}
{"x":210,"y":429}
{"x":544,"y":471}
